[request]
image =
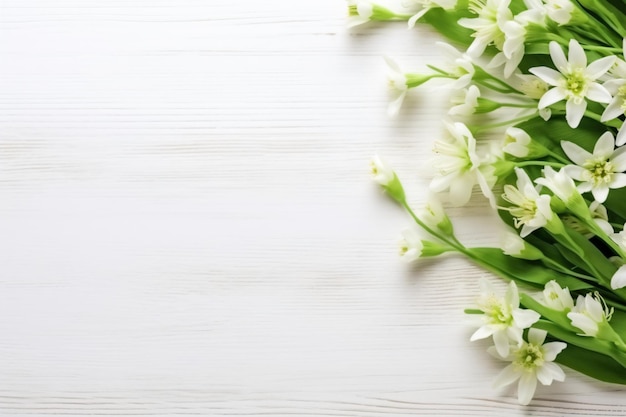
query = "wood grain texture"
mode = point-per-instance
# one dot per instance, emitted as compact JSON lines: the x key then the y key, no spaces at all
{"x":187,"y":226}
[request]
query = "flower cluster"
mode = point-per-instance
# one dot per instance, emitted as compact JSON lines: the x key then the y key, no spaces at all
{"x":547,"y":79}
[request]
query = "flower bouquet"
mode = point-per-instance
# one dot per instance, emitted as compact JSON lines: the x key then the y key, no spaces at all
{"x":538,"y":126}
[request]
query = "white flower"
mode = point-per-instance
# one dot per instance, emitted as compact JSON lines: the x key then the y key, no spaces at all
{"x":601,"y":217}
{"x":382,"y":173}
{"x":557,"y":298}
{"x":619,"y":238}
{"x":531,"y":85}
{"x":397,"y":86}
{"x":458,"y":64}
{"x":516,"y":142}
{"x":560,"y":10}
{"x":574,"y":82}
{"x":529,"y":209}
{"x":532,"y":361}
{"x":559,"y":183}
{"x":492,"y":14}
{"x":512,"y":244}
{"x":411,"y":245}
{"x":588,"y":313}
{"x":513,"y":48}
{"x":618,"y":280}
{"x":617,"y":106}
{"x":598,"y":171}
{"x":359,"y":12}
{"x":459,"y":166}
{"x":465,"y":102}
{"x":421,"y":7}
{"x":502,"y":318}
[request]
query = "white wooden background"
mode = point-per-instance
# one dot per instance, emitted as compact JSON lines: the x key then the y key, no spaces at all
{"x":187,"y":225}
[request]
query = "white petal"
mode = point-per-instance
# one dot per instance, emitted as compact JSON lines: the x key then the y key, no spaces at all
{"x":613,"y":110}
{"x":558,"y":56}
{"x":548,"y":75}
{"x":525,"y":318}
{"x":461,"y":190}
{"x":621,"y":136}
{"x":526,"y":388}
{"x":537,"y":336}
{"x":482,"y":333}
{"x":394,"y":107}
{"x":576,"y":55}
{"x":598,"y":93}
{"x":604,"y":146}
{"x":552,"y":96}
{"x":599,"y":67}
{"x":574,"y":112}
{"x":619,"y":278}
{"x":501,"y":341}
{"x":574,"y":171}
{"x":416,"y":17}
{"x":600,"y":192}
{"x":506,"y":377}
{"x":619,"y":180}
{"x":575,"y":153}
{"x":552,"y":349}
{"x":619,"y":159}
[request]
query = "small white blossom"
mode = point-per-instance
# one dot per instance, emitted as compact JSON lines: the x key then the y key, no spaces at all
{"x":459,"y":166}
{"x":465,"y":102}
{"x":557,"y":298}
{"x":421,"y":7}
{"x":598,"y":171}
{"x":619,"y":278}
{"x":411,"y":245}
{"x":617,"y":106}
{"x":559,"y":183}
{"x":512,"y":244}
{"x":601,"y":217}
{"x":575,"y":81}
{"x":360,"y":12}
{"x":513,"y":48}
{"x":381,"y":172}
{"x":397,"y":86}
{"x":619,"y":238}
{"x":502,"y":318}
{"x":588,"y":313}
{"x":529,"y":209}
{"x":458,"y":64}
{"x":531,"y":361}
{"x":560,"y":11}
{"x":531,"y":85}
{"x":516,"y":142}
{"x":492,"y":14}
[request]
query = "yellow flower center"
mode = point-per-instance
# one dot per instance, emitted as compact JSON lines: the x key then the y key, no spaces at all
{"x":575,"y":82}
{"x":529,"y":356}
{"x":599,"y":170}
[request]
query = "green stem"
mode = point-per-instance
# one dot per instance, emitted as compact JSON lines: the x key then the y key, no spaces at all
{"x":511,"y":122}
{"x":557,"y":266}
{"x":558,"y":157}
{"x":540,"y":163}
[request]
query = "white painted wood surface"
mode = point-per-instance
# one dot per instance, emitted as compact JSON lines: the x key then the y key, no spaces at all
{"x":187,"y":226}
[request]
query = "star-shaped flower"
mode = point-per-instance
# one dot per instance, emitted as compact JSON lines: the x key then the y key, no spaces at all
{"x":575,"y":81}
{"x":531,"y":361}
{"x":598,"y":171}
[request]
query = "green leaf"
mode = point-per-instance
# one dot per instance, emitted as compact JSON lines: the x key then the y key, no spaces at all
{"x":529,"y":272}
{"x":445,"y":22}
{"x":592,"y":364}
